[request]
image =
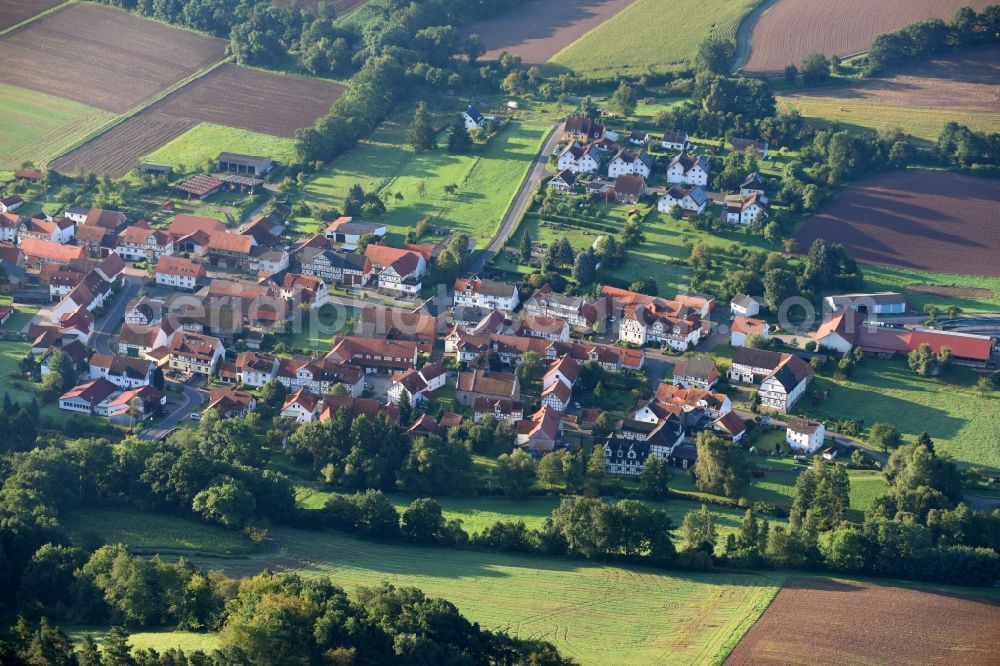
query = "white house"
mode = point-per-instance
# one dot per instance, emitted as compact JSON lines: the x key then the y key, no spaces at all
{"x":839,"y":332}
{"x":403,"y":275}
{"x":301,"y":407}
{"x":783,"y":377}
{"x":413,"y":385}
{"x":693,"y":199}
{"x":10,"y":204}
{"x":143,"y":244}
{"x":256,"y":368}
{"x":194,"y":353}
{"x":744,"y":211}
{"x":742,"y":305}
{"x":641,"y":325}
{"x":86,"y":398}
{"x":754,"y":184}
{"x":564,"y":181}
{"x":879,"y":302}
{"x":125,"y":372}
{"x":688,"y":170}
{"x":482,"y":293}
{"x":346,"y":231}
{"x":178,"y":272}
{"x":472,"y":118}
{"x":674,"y":140}
{"x":578,"y":159}
{"x":804,"y":435}
{"x":744,"y":327}
{"x":627,"y":163}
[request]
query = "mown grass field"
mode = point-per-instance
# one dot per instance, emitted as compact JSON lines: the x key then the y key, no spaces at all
{"x":35,"y":126}
{"x":487,"y":180}
{"x":959,"y":419}
{"x":203,"y":142}
{"x":594,"y":613}
{"x":891,"y":278}
{"x":853,"y":113}
{"x":161,"y":641}
{"x":652,"y":36}
{"x":153,"y":532}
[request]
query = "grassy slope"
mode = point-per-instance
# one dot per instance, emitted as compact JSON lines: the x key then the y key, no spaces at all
{"x":189,"y":641}
{"x":205,"y":141}
{"x":151,"y":531}
{"x":35,"y":126}
{"x":487,"y":180}
{"x":594,"y":613}
{"x":959,"y":419}
{"x":651,"y":34}
{"x":853,"y":113}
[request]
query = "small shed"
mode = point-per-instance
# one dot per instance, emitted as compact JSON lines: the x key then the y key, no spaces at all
{"x":252,"y":165}
{"x":156,"y":169}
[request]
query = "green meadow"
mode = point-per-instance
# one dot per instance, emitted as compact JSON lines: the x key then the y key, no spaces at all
{"x":205,"y":141}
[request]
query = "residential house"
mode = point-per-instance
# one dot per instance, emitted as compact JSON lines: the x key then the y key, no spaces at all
{"x":346,"y":231}
{"x":657,"y":323}
{"x":579,"y":159}
{"x":140,"y":340}
{"x":541,"y":433}
{"x":319,"y":376}
{"x":629,"y":189}
{"x":37,"y":253}
{"x":303,"y":289}
{"x":301,"y":407}
{"x":687,"y":170}
{"x":144,"y":310}
{"x":374,"y":356}
{"x":754,"y":184}
{"x":472,"y":118}
{"x":741,"y":145}
{"x":577,"y":128}
{"x":630,"y":163}
{"x":401,"y":271}
{"x":693,"y":199}
{"x":744,"y":327}
{"x":742,"y":305}
{"x":135,"y":405}
{"x":193,"y":353}
{"x":839,"y":331}
{"x":674,"y":140}
{"x":558,"y":382}
{"x":343,"y":268}
{"x":502,"y":409}
{"x":744,"y":210}
{"x":386,"y":323}
{"x":111,"y":220}
{"x":256,"y":368}
{"x":86,"y":398}
{"x":60,"y":231}
{"x":484,"y":293}
{"x":783,"y":378}
{"x":413,"y":385}
{"x":141,"y":243}
{"x":804,"y":435}
{"x":486,"y":384}
{"x":179,"y":273}
{"x":229,"y":251}
{"x":10,"y":224}
{"x":575,"y":310}
{"x":10,"y":204}
{"x":96,"y":241}
{"x":125,"y":372}
{"x":268,"y":260}
{"x":356,"y":407}
{"x":547,"y":328}
{"x":231,"y":404}
{"x":688,"y":399}
{"x":564,"y":181}
{"x":695,"y":373}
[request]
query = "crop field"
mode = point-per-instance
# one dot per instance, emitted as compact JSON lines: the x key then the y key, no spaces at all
{"x":594,"y":613}
{"x":921,"y":98}
{"x":229,"y":95}
{"x":103,"y":57}
{"x":959,"y":419}
{"x":13,"y":12}
{"x":539,"y":29}
{"x":486,"y":179}
{"x":206,"y":140}
{"x":153,"y":532}
{"x":791,"y":30}
{"x":817,"y":621}
{"x":646,"y":37}
{"x":940,"y":222}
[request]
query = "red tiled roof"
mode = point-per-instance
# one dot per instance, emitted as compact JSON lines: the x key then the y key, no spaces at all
{"x":43,"y":249}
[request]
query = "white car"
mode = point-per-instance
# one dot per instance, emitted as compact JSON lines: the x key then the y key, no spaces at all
{"x":195,"y":416}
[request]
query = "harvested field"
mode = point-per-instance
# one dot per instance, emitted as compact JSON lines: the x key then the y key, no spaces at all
{"x":940,"y":222}
{"x":229,"y":95}
{"x":921,"y":98}
{"x":814,"y":621}
{"x":13,"y":12}
{"x":793,"y":29}
{"x":539,"y":29}
{"x":103,"y":57}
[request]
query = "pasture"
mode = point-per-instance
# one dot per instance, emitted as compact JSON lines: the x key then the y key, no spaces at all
{"x":789,"y":31}
{"x":206,"y":140}
{"x":647,"y":37}
{"x":35,"y":126}
{"x":855,"y":622}
{"x":929,"y":221}
{"x":538,"y":29}
{"x":228,"y":95}
{"x":594,"y":613}
{"x":67,"y":54}
{"x":487,"y":180}
{"x":920,"y":98}
{"x":161,"y":641}
{"x":959,"y":419}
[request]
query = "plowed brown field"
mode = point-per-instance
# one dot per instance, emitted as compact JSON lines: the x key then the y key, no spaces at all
{"x":13,"y":12}
{"x":103,"y":57}
{"x":792,"y":29}
{"x":539,"y":29}
{"x":814,"y":621}
{"x":229,"y":95}
{"x":940,"y":222}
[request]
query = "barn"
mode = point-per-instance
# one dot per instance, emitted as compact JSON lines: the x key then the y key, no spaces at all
{"x":251,"y":165}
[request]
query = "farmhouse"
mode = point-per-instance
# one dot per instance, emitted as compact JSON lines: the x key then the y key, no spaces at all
{"x":355,"y":407}
{"x":804,"y":435}
{"x":743,"y":305}
{"x":9,"y":226}
{"x":140,"y":340}
{"x":486,"y":384}
{"x":542,"y":432}
{"x":501,"y":409}
{"x":144,"y":310}
{"x":388,"y":323}
{"x":696,"y":373}
{"x":967,"y":348}
{"x":413,"y":385}
{"x":243,"y":164}
{"x":564,"y":181}
{"x":655,"y":322}
{"x":839,"y":332}
{"x":179,"y":273}
{"x":692,"y":199}
{"x":30,"y":175}
{"x":687,"y":170}
{"x":37,"y":253}
{"x":193,"y":353}
{"x":140,"y":243}
{"x":574,"y":309}
{"x":744,"y":327}
{"x":879,"y":302}
{"x":484,"y":293}
{"x":344,"y":268}
{"x":58,"y":231}
{"x":690,"y":399}
{"x":783,"y":377}
{"x":374,"y":355}
{"x":111,"y":220}
{"x":630,"y":163}
{"x":229,"y":251}
{"x":346,"y":231}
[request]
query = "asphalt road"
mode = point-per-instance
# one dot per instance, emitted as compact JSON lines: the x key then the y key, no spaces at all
{"x":744,"y":32}
{"x":519,"y":205}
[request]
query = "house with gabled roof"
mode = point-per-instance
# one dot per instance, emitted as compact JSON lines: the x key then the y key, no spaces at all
{"x":564,"y":181}
{"x":696,"y":373}
{"x":414,"y":385}
{"x":179,"y":272}
{"x":87,"y":397}
{"x":485,"y":293}
{"x":301,"y":407}
{"x":741,"y":145}
{"x":194,"y":353}
{"x":40,"y":252}
{"x":125,"y":372}
{"x":633,"y":163}
{"x":141,"y":243}
{"x":674,"y":140}
{"x":744,"y":327}
{"x":783,"y":377}
{"x":488,"y":384}
{"x":738,"y":209}
{"x":472,"y":118}
{"x":344,"y":268}
{"x":577,"y":311}
{"x":502,"y":409}
{"x":374,"y":355}
{"x":687,"y":170}
{"x":346,"y":231}
{"x":355,"y":407}
{"x":691,"y":199}
{"x":580,"y":159}
{"x":541,"y":433}
{"x":579,"y":128}
{"x":629,"y":188}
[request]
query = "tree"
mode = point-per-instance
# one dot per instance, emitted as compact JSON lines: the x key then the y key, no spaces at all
{"x":550,"y":262}
{"x":564,"y":251}
{"x":227,"y":502}
{"x":924,"y":361}
{"x":474,"y":48}
{"x":715,"y":55}
{"x":721,"y":467}
{"x":515,"y":473}
{"x":584,"y":269}
{"x":791,"y":71}
{"x":459,"y":141}
{"x":699,"y":530}
{"x":901,"y":154}
{"x":423,"y":521}
{"x":596,"y":472}
{"x":644,"y":285}
{"x":815,"y":68}
{"x":551,"y":468}
{"x":605,"y":423}
{"x":654,"y":479}
{"x":525,"y":248}
{"x":884,"y":436}
{"x":420,"y":136}
{"x":779,"y":285}
{"x":984,"y":386}
{"x":435,"y":466}
{"x":62,"y":373}
{"x":530,"y":369}
{"x":624,"y":98}
{"x":772,"y":232}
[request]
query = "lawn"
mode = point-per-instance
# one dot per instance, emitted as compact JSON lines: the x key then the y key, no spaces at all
{"x":855,"y":112}
{"x":203,"y":142}
{"x":11,"y":353}
{"x":594,"y":613}
{"x":959,"y":419}
{"x":650,"y":36}
{"x":36,"y":127}
{"x":152,"y":531}
{"x":487,"y":180}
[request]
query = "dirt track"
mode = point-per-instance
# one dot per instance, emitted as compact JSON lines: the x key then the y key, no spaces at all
{"x":539,"y":29}
{"x":816,"y":621}
{"x":793,"y":29}
{"x":103,"y":57}
{"x":940,"y":222}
